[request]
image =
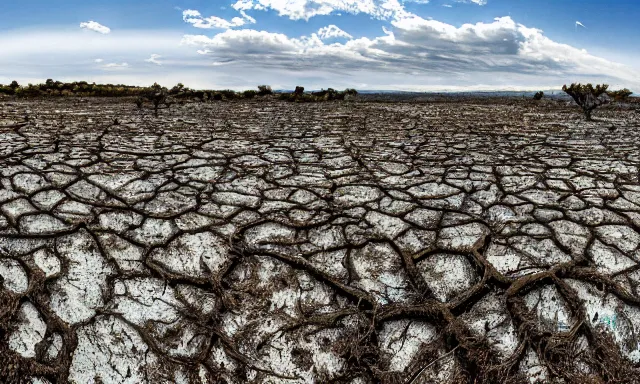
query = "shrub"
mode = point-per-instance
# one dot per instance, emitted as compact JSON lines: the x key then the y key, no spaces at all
{"x":587,"y":97}
{"x":250,"y":94}
{"x":264,"y":90}
{"x":229,"y":94}
{"x":351,"y":92}
{"x":619,"y":95}
{"x":201,"y":95}
{"x":178,"y":88}
{"x":299,"y":90}
{"x":538,"y":95}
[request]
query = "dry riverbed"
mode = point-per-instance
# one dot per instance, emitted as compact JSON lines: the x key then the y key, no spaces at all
{"x":451,"y":240}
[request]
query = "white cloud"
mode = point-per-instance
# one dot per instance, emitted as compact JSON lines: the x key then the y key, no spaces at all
{"x":478,"y":2}
{"x":410,"y":52}
{"x":197,"y":20}
{"x":116,"y":65}
{"x":96,"y":27}
{"x":420,"y":47}
{"x":332,"y":32}
{"x":154,"y":59}
{"x":98,"y":60}
{"x":306,"y":9}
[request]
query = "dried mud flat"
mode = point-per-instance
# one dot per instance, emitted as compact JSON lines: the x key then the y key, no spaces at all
{"x":470,"y":241}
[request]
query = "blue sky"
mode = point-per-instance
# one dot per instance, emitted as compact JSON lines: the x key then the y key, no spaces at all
{"x":366,"y":44}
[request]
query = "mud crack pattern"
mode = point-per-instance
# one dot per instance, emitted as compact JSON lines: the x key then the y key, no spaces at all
{"x":472,"y":241}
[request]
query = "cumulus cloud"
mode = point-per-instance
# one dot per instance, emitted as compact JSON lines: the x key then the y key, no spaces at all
{"x":154,"y":59}
{"x":410,"y":52}
{"x":195,"y":18}
{"x":95,"y":26}
{"x":332,"y":32}
{"x":418,"y":46}
{"x":306,"y":9}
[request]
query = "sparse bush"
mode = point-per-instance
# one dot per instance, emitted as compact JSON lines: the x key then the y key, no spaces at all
{"x":229,"y":94}
{"x":201,"y":95}
{"x":217,"y":96}
{"x":587,"y":97}
{"x":250,"y":94}
{"x":285,"y":96}
{"x":620,"y":95}
{"x":329,"y":94}
{"x":169,"y":101}
{"x":538,"y":95}
{"x":178,"y":88}
{"x":264,"y":90}
{"x":139,"y":102}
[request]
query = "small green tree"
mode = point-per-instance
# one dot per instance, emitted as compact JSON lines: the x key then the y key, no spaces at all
{"x":587,"y":96}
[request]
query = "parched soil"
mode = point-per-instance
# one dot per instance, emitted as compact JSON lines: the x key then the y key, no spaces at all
{"x":450,"y":241}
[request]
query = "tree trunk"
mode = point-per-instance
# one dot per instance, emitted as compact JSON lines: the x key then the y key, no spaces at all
{"x":587,"y":113}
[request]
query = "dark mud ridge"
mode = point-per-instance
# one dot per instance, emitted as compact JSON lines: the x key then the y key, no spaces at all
{"x":263,"y":242}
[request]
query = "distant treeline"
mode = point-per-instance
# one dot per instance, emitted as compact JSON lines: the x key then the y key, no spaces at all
{"x":85,"y":89}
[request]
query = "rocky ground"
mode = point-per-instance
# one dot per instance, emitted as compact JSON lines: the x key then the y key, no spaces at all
{"x":457,"y":240}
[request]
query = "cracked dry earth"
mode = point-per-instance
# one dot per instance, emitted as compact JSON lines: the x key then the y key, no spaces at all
{"x":463,"y":241}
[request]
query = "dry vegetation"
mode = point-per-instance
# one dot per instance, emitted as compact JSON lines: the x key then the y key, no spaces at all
{"x":445,"y":240}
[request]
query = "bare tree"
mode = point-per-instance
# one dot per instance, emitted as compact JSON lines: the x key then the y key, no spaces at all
{"x":587,"y":97}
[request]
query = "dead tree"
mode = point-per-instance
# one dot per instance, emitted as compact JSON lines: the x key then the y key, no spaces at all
{"x":587,"y":97}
